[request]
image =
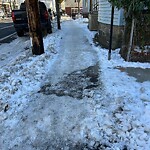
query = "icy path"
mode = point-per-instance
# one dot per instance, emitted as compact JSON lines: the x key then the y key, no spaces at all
{"x":75,"y":52}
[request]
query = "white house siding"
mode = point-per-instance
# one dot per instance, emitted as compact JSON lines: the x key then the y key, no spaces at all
{"x":104,"y":15}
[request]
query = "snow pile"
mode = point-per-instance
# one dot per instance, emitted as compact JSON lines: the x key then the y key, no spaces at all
{"x":24,"y":74}
{"x":122,"y":116}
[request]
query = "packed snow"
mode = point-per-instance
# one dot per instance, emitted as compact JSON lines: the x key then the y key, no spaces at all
{"x":52,"y":101}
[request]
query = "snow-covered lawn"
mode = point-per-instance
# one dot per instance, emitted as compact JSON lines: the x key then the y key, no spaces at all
{"x":34,"y":115}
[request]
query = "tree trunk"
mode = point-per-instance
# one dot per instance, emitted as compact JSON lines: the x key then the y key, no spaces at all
{"x":32,"y":8}
{"x":131,"y":40}
{"x":58,"y":14}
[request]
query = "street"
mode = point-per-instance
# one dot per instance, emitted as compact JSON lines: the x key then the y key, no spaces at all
{"x":7,"y":31}
{"x":9,"y":39}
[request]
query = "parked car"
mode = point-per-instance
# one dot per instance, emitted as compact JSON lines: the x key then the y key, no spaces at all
{"x":20,"y":20}
{"x":1,"y":13}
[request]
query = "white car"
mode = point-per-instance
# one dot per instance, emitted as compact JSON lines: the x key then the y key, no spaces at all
{"x":1,"y":13}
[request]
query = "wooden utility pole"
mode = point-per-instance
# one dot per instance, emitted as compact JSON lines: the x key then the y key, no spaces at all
{"x":32,"y":8}
{"x":58,"y":13}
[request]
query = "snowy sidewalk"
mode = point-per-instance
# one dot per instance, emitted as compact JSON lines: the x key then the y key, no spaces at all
{"x":75,"y":52}
{"x":51,"y":122}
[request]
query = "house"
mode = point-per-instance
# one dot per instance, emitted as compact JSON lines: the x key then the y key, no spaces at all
{"x":89,"y":6}
{"x":99,"y":14}
{"x":104,"y":21}
{"x":71,"y":7}
{"x":7,"y":6}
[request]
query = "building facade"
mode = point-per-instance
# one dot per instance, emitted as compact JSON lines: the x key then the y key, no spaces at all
{"x":8,"y":5}
{"x":71,"y":7}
